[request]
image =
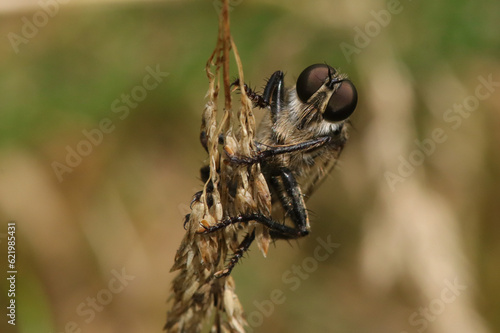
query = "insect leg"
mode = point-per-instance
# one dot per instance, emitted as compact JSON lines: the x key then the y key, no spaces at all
{"x":274,"y":93}
{"x":258,"y":217}
{"x":292,"y":201}
{"x":242,"y":248}
{"x":271,"y":151}
{"x":256,"y":98}
{"x":290,"y":196}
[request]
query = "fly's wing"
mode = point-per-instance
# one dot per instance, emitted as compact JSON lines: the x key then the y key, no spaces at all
{"x":318,"y":164}
{"x":319,"y":173}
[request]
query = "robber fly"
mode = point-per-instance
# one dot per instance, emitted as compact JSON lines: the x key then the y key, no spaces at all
{"x":298,"y":143}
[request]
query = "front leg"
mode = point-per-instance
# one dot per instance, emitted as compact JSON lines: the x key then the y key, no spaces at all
{"x":271,"y":151}
{"x":273,"y":96}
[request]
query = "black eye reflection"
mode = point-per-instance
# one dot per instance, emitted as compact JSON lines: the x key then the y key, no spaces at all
{"x":342,"y":103}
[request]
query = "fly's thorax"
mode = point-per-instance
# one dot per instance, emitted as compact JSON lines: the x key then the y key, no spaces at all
{"x":265,"y":130}
{"x":300,"y":121}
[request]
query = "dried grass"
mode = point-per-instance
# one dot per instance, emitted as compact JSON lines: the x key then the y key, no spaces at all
{"x":200,"y":290}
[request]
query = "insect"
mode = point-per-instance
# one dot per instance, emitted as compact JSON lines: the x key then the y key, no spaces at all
{"x":298,"y":142}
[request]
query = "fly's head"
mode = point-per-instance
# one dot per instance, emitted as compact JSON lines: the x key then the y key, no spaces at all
{"x":322,"y":100}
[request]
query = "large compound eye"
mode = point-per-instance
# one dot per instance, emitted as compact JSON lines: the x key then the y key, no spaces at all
{"x":342,"y":103}
{"x":311,"y":79}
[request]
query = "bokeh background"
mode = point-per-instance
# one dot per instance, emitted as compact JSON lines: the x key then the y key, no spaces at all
{"x":417,"y":228}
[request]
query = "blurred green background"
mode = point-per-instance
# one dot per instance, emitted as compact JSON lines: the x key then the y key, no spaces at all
{"x":417,"y":228}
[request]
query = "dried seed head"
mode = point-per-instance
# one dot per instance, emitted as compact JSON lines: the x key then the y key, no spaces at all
{"x":200,"y":260}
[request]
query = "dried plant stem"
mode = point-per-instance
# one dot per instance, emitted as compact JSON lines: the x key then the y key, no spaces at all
{"x":200,"y":292}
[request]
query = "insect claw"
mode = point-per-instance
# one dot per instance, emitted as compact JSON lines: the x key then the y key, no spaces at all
{"x":186,"y":220}
{"x":204,"y":227}
{"x":222,"y":273}
{"x":234,"y":159}
{"x":234,"y":86}
{"x":228,"y":151}
{"x":196,"y":198}
{"x":236,"y":82}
